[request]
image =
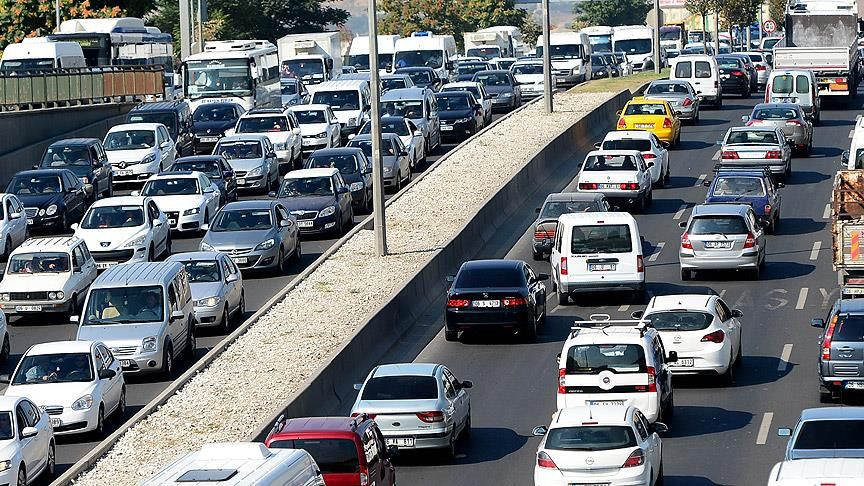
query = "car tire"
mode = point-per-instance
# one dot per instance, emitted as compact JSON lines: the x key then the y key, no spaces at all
{"x":120,"y":413}
{"x":22,"y":475}
{"x":298,"y":252}
{"x":279,"y":267}
{"x":268,"y":185}
{"x":4,"y":352}
{"x":168,"y":362}
{"x":563,"y":299}
{"x":450,"y":450}
{"x":728,"y":378}
{"x":659,"y":481}
{"x":756,"y":273}
{"x":529,"y":332}
{"x":398,"y":182}
{"x":740,"y":355}
{"x":466,"y":431}
{"x":669,"y":408}
{"x":7,"y":249}
{"x":826,"y":396}
{"x":225,"y":323}
{"x":150,"y":255}
{"x":206,"y":221}
{"x":687,"y":275}
{"x":191,"y":344}
{"x":110,"y":189}
{"x":51,"y":461}
{"x":99,"y":431}
{"x":537,"y":255}
{"x":451,"y":336}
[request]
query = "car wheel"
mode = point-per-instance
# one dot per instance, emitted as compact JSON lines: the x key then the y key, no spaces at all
{"x":120,"y":413}
{"x":268,"y":184}
{"x":110,"y":189}
{"x":451,"y":335}
{"x":4,"y":353}
{"x":659,"y":481}
{"x":99,"y":431}
{"x":225,"y":324}
{"x":7,"y":249}
{"x":728,"y":378}
{"x":740,"y":353}
{"x":450,"y":450}
{"x":191,"y":344}
{"x":168,"y":362}
{"x":563,"y":299}
{"x":51,"y":461}
{"x":538,"y":255}
{"x":826,"y":396}
{"x":22,"y":475}
{"x":696,"y":120}
{"x":669,"y":409}
{"x":398,"y":181}
{"x":686,"y":275}
{"x":279,"y":267}
{"x":295,"y":257}
{"x":150,"y":254}
{"x":206,"y":219}
{"x":755,"y":273}
{"x":466,"y":430}
{"x":529,"y":333}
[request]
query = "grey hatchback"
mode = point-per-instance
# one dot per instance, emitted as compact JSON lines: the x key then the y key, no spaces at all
{"x":788,"y":117}
{"x":555,"y":205}
{"x":841,"y":349}
{"x":722,"y":237}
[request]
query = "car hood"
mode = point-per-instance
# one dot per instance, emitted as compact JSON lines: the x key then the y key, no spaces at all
{"x":455,"y":115}
{"x":114,"y":335}
{"x":312,"y":129}
{"x":529,"y":78}
{"x":822,"y":453}
{"x":212,"y":127}
{"x":63,"y":394}
{"x":307,"y":203}
{"x":114,"y":237}
{"x":40,"y":200}
{"x":137,"y":155}
{"x":202,"y":290}
{"x":395,"y":406}
{"x":178,"y":203}
{"x":34,"y":282}
{"x":245,"y":164}
{"x":237,"y":239}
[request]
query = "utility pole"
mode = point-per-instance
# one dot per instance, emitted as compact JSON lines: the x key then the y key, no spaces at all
{"x":547,"y":60}
{"x":657,"y":15}
{"x":377,"y":167}
{"x":185,"y":34}
{"x":716,"y":32}
{"x":201,"y":17}
{"x":57,"y":14}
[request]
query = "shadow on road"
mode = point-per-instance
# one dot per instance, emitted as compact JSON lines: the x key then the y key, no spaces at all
{"x":692,"y":421}
{"x":485,"y":444}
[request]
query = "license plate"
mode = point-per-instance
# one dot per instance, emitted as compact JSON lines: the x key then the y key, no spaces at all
{"x":28,"y":308}
{"x":240,"y":259}
{"x":788,"y":100}
{"x":172,"y":222}
{"x":125,"y":172}
{"x":487,"y":303}
{"x":751,"y":155}
{"x":125,"y":363}
{"x":309,"y":142}
{"x":305,"y":224}
{"x":560,"y":80}
{"x":29,"y":220}
{"x":241,"y":181}
{"x":56,"y":422}
{"x":400,"y":441}
{"x":601,"y":267}
{"x":688,"y":362}
{"x":104,"y":265}
{"x":209,"y":139}
{"x":606,"y":403}
{"x":446,"y":128}
{"x":854,"y":385}
{"x":609,"y":186}
{"x":718,"y":244}
{"x":644,"y":125}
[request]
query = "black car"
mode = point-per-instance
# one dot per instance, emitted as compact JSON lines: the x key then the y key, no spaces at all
{"x":459,"y":114}
{"x":600,"y":67}
{"x":496,"y":294}
{"x":751,"y":70}
{"x":423,"y":77}
{"x":175,"y":115}
{"x":87,"y":159}
{"x":319,"y":199}
{"x":216,"y":168}
{"x":733,"y":75}
{"x":211,"y":121}
{"x":466,"y":70}
{"x":52,"y":198}
{"x":354,"y":168}
{"x":501,"y":87}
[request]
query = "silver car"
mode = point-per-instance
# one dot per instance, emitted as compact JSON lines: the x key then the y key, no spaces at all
{"x":417,"y":405}
{"x":722,"y":237}
{"x":826,"y":432}
{"x":757,"y":147}
{"x":293,"y":92}
{"x":253,"y":159}
{"x":680,"y":94}
{"x":763,"y":65}
{"x":411,"y":135}
{"x":394,"y":158}
{"x":217,"y":288}
{"x":788,"y":117}
{"x":257,"y":235}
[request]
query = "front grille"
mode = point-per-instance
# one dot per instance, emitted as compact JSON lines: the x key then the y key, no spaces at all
{"x":172,"y":216}
{"x":234,"y":251}
{"x":847,"y":370}
{"x":562,"y":72}
{"x":28,"y":295}
{"x":31,"y":212}
{"x":112,"y":256}
{"x":493,"y":95}
{"x":124,"y":350}
{"x":240,"y":173}
{"x":305,"y":215}
{"x":52,"y":409}
{"x":250,"y":262}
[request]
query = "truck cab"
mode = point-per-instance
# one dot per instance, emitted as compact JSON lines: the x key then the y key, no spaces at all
{"x":313,"y":58}
{"x":637,"y":41}
{"x":429,"y":50}
{"x":570,"y":54}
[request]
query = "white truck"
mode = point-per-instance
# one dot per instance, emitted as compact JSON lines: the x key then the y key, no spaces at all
{"x":821,"y":36}
{"x":514,"y":34}
{"x":570,"y":54}
{"x":425,"y":49}
{"x":488,"y":45}
{"x":36,"y":53}
{"x":637,"y":42}
{"x":847,"y":229}
{"x":358,"y":53}
{"x":600,"y":37}
{"x":314,"y":57}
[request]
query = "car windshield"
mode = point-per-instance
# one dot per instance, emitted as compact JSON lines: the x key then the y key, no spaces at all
{"x":830,"y":434}
{"x":628,"y":144}
{"x":209,"y":167}
{"x":594,"y":358}
{"x":645,"y":109}
{"x":528,"y":69}
{"x":769,"y":43}
{"x":399,"y":127}
{"x":484,"y":52}
{"x":490,"y":277}
{"x":680,"y":320}
{"x":306,"y":186}
{"x":24,"y":263}
{"x":242,"y":220}
{"x":718,"y":225}
{"x":124,"y":305}
{"x":72,"y":157}
{"x":212,"y":112}
{"x":54,"y":368}
{"x":849,"y":328}
{"x":130,"y":140}
{"x":634,"y":46}
{"x":752,"y":137}
{"x":113,"y":217}
{"x":183,"y":186}
{"x":239,"y":150}
{"x":346,"y":164}
{"x":610,"y":162}
{"x":775,"y":114}
{"x":305,"y":117}
{"x":338,"y":100}
{"x":258,"y":124}
{"x":288,"y":88}
{"x":453,"y":103}
{"x":562,"y":51}
{"x":203,"y":270}
{"x":34,"y":184}
{"x":492,"y":79}
{"x":406,"y":108}
{"x":6,"y":432}
{"x":27,"y":64}
{"x":408,"y":387}
{"x":333,"y":456}
{"x":670,"y":34}
{"x":167,"y":119}
{"x":302,"y":68}
{"x":393,"y":83}
{"x":433,"y":59}
{"x":471,"y":68}
{"x":610,"y":238}
{"x":553,"y":209}
{"x":214,"y":77}
{"x":667,"y":88}
{"x":591,"y":438}
{"x":366,"y":145}
{"x":738,"y":186}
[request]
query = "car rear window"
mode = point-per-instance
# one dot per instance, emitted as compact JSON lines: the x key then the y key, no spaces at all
{"x":831,"y":434}
{"x":612,"y":238}
{"x":756,"y":58}
{"x":802,"y":84}
{"x":667,"y":88}
{"x":752,"y":137}
{"x":333,"y":456}
{"x":610,"y":162}
{"x":680,"y":320}
{"x":640,"y":145}
{"x":703,"y":69}
{"x":595,"y":438}
{"x":774,"y":114}
{"x":475,"y":278}
{"x":712,"y":225}
{"x":849,"y":328}
{"x":553,"y":209}
{"x":738,"y":186}
{"x":782,"y":84}
{"x":683,"y":69}
{"x":594,"y":358}
{"x":401,"y":388}
{"x":645,"y":109}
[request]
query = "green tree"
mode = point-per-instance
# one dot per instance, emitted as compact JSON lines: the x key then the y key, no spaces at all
{"x":29,"y":18}
{"x":739,"y":12}
{"x":405,"y":16}
{"x":777,"y":10}
{"x":612,"y":12}
{"x":479,"y":14}
{"x":531,"y":30}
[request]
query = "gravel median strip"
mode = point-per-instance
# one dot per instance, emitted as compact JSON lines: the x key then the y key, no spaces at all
{"x":257,"y":374}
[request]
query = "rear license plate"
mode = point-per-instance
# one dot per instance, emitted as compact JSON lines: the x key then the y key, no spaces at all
{"x":104,"y":265}
{"x":56,"y":422}
{"x":29,"y":220}
{"x":446,"y":128}
{"x":240,"y":259}
{"x":788,"y":100}
{"x":305,"y":224}
{"x":28,"y":308}
{"x":601,"y":267}
{"x":172,"y":222}
{"x":751,"y":155}
{"x":854,"y":385}
{"x":718,"y":244}
{"x":687,"y":362}
{"x":209,"y":139}
{"x":644,"y":125}
{"x":609,"y":186}
{"x":606,"y":403}
{"x":125,"y":172}
{"x":400,"y":441}
{"x":487,"y":303}
{"x":125,"y":363}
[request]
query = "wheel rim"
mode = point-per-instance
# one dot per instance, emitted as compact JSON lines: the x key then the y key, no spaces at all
{"x":22,"y":477}
{"x":225,"y":319}
{"x":169,"y":362}
{"x":51,"y":460}
{"x":122,"y":407}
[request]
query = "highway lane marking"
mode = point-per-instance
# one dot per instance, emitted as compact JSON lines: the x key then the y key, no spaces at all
{"x":802,"y":298}
{"x":764,"y":427}
{"x":657,"y":250}
{"x":827,"y":213}
{"x":680,"y":212}
{"x":722,"y":293}
{"x":784,"y":358}
{"x":716,"y":155}
{"x":701,"y":178}
{"x":814,"y":253}
{"x":624,"y":308}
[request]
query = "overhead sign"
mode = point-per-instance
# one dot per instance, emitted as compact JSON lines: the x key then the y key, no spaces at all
{"x":769,"y":26}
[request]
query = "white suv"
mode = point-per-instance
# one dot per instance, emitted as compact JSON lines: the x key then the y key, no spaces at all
{"x":613,"y":446}
{"x":283,"y":130}
{"x":622,"y":362}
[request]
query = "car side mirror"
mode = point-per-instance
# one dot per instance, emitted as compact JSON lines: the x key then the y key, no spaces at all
{"x":135,"y":193}
{"x":29,"y":432}
{"x":74,"y":319}
{"x":209,"y":190}
{"x":228,"y":175}
{"x":820,"y":323}
{"x":358,"y":386}
{"x":367,"y":170}
{"x":618,"y":113}
{"x":284,"y":223}
{"x":844,"y":157}
{"x":745,"y":118}
{"x":540,"y":431}
{"x":177,"y":315}
{"x":665,"y":144}
{"x":706,"y":183}
{"x":350,"y":136}
{"x":660,"y":427}
{"x":673,"y":356}
{"x":271,"y":194}
{"x":737,"y":313}
{"x":448,"y":65}
{"x":18,"y":215}
{"x":165,"y":145}
{"x":5,"y":378}
{"x":157,"y":223}
{"x":107,"y":374}
{"x":450,"y":278}
{"x":784,"y":432}
{"x":677,"y":112}
{"x":418,"y":133}
{"x":271,"y":155}
{"x":204,"y":227}
{"x":790,"y":141}
{"x":682,"y":224}
{"x":231,"y":278}
{"x":343,"y":189}
{"x":35,"y":166}
{"x":781,"y":185}
{"x":637,"y":314}
{"x":650,"y":164}
{"x":467,"y":384}
{"x":718,"y":142}
{"x":295,"y":131}
{"x":403,"y":154}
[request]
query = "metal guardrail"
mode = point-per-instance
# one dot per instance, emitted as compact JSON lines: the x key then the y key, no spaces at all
{"x":51,"y":88}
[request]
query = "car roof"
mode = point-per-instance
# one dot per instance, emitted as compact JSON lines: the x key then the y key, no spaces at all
{"x":852,"y":305}
{"x":680,"y":301}
{"x":755,"y":128}
{"x":493,"y":71}
{"x":33,"y":172}
{"x":402,"y":369}
{"x":198,"y":158}
{"x":777,"y":105}
{"x":61,"y":347}
{"x":321,"y":172}
{"x":263,"y":112}
{"x":453,"y":94}
{"x":309,"y":107}
{"x":490,"y":264}
{"x":159,"y":106}
{"x":829,"y":413}
{"x":137,"y":274}
{"x":588,"y":415}
{"x":645,"y":99}
{"x":119,"y":201}
{"x":193,"y":255}
{"x":625,"y":134}
{"x":613,"y":152}
{"x":368,"y":136}
{"x":249,"y":204}
{"x":413,"y":68}
{"x":176,"y":174}
{"x":462,"y":84}
{"x":720,"y":209}
{"x":606,"y":217}
{"x":48,"y":244}
{"x":338,"y":150}
{"x":319,"y":425}
{"x":134,"y":126}
{"x":574,"y":196}
{"x":76,"y":141}
{"x":412,"y":93}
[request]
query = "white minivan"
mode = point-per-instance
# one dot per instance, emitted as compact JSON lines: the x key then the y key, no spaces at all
{"x":36,"y":53}
{"x":597,"y":252}
{"x":349,"y":100}
{"x":702,"y":73}
{"x":795,"y":86}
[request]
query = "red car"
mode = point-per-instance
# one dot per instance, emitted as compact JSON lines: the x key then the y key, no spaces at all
{"x":350,"y":451}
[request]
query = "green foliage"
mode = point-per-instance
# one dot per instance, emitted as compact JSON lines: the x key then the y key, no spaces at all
{"x":739,"y":12}
{"x":479,"y":14}
{"x":701,"y":7}
{"x":531,"y":30}
{"x":30,"y":18}
{"x":777,"y":10}
{"x":612,"y":12}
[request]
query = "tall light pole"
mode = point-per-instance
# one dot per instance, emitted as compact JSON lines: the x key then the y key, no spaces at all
{"x":377,"y":167}
{"x":657,"y":36}
{"x":547,"y":60}
{"x":185,"y":34}
{"x":716,"y":31}
{"x":57,"y":14}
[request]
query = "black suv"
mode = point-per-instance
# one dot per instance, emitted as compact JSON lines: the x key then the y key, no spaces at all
{"x":86,"y":158}
{"x":175,"y":115}
{"x":211,"y":121}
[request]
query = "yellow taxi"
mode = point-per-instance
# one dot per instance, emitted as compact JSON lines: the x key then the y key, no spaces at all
{"x":655,"y":116}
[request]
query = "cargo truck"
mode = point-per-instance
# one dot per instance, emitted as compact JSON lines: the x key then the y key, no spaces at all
{"x":488,"y":45}
{"x":358,"y":53}
{"x":314,"y":57}
{"x":847,"y":230}
{"x":425,"y":49}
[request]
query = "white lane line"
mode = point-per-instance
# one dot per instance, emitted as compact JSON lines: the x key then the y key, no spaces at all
{"x":701,"y":178}
{"x":851,"y":133}
{"x":653,"y":257}
{"x":722,"y":293}
{"x":814,"y":253}
{"x":716,"y":155}
{"x":784,"y":358}
{"x":827,"y":213}
{"x":680,"y":212}
{"x":764,"y":427}
{"x":624,"y":308}
{"x":802,"y":298}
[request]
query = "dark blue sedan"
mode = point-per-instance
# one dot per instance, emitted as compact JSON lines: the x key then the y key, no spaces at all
{"x":756,"y":187}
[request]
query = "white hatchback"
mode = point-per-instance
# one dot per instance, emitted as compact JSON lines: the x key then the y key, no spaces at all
{"x":26,"y":442}
{"x":13,"y":224}
{"x":138,"y":150}
{"x":189,"y":199}
{"x":652,"y":149}
{"x":623,"y":176}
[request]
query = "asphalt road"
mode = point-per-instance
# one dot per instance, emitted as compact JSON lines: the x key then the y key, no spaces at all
{"x":719,"y":435}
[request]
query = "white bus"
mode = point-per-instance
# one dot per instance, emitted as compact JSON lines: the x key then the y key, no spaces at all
{"x":235,"y":71}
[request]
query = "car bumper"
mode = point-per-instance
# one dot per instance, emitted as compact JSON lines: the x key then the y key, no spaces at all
{"x":321,"y":224}
{"x":543,"y":246}
{"x":312,"y":144}
{"x":458,"y":131}
{"x":687,"y":112}
{"x":41,"y":223}
{"x":105,"y":259}
{"x":204,"y":148}
{"x":647,"y":402}
{"x":630,"y":476}
{"x":735,"y":85}
{"x":209,"y":316}
{"x":425,"y":439}
{"x":664,"y":134}
{"x":134,"y":173}
{"x":705,"y":362}
{"x":358,"y":198}
{"x":30,"y":307}
{"x":774,"y":165}
{"x":141,"y":362}
{"x":75,"y":421}
{"x":691,"y":262}
{"x":251,"y":183}
{"x":632,"y":284}
{"x":255,"y":260}
{"x":192,"y":222}
{"x":463,"y":319}
{"x":499,"y":103}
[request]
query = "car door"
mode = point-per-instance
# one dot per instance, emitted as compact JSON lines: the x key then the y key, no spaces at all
{"x":344,"y":197}
{"x":232,"y":288}
{"x":159,"y":232}
{"x":536,"y":291}
{"x":757,"y":229}
{"x":176,"y":327}
{"x":664,"y":376}
{"x":35,"y":448}
{"x":8,"y":227}
{"x":462,"y":399}
{"x":211,"y":198}
{"x":451,"y":401}
{"x":229,"y":179}
{"x":644,"y":175}
{"x":114,"y":385}
{"x":433,"y":121}
{"x":281,"y":214}
{"x":404,"y":161}
{"x":648,"y":441}
{"x":730,"y":325}
{"x":88,"y":268}
{"x":74,"y":198}
{"x":272,"y":163}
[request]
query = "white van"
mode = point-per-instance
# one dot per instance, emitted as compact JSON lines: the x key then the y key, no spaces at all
{"x":570,"y":54}
{"x":702,"y":73}
{"x":597,"y":252}
{"x":240,"y":464}
{"x":795,"y":86}
{"x":349,"y":100}
{"x":40,"y":53}
{"x":846,"y":471}
{"x":853,"y":159}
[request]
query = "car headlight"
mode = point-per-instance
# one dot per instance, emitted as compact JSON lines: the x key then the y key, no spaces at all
{"x":388,"y":170}
{"x":209,"y":301}
{"x":207,"y":247}
{"x":51,"y":210}
{"x":149,"y":343}
{"x":257,"y":171}
{"x":136,"y":242}
{"x":463,"y":120}
{"x":83,"y":403}
{"x":149,"y":159}
{"x":320,"y":135}
{"x":4,"y":297}
{"x":355,"y":186}
{"x":506,"y":95}
{"x":41,"y":212}
{"x":266,"y":244}
{"x":190,"y":212}
{"x":56,"y":295}
{"x":327,"y":211}
{"x":279,"y":146}
{"x":5,"y":465}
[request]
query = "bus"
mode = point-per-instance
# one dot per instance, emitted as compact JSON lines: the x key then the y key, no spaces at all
{"x":235,"y":71}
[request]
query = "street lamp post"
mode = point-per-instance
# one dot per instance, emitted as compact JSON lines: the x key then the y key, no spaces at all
{"x":377,"y":167}
{"x":547,"y":62}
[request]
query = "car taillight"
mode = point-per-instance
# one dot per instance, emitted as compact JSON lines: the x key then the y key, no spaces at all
{"x":714,"y":337}
{"x":667,"y":123}
{"x":794,"y":123}
{"x":590,"y":186}
{"x":640,"y":264}
{"x":729,"y":154}
{"x":544,"y":461}
{"x":773,"y":154}
{"x":716,"y":83}
{"x":563,"y":265}
{"x":431,"y":417}
{"x":544,"y":234}
{"x":687,"y":102}
{"x":840,"y":80}
{"x":637,"y":458}
{"x":629,"y":186}
{"x":737,"y":73}
{"x":364,"y":476}
{"x":513,"y":301}
{"x":357,"y":414}
{"x":648,"y":156}
{"x":562,"y":375}
{"x":760,"y":68}
{"x":826,"y":342}
{"x":685,"y":241}
{"x":458,"y":302}
{"x":750,"y":242}
{"x":767,"y":208}
{"x":652,"y":379}
{"x":622,"y":124}
{"x":767,"y":90}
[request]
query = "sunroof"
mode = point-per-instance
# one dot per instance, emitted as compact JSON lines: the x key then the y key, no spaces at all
{"x":204,"y":475}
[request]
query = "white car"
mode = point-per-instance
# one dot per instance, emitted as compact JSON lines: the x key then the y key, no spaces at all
{"x":827,"y":471}
{"x":623,"y":176}
{"x":411,"y":136}
{"x":138,"y":150}
{"x":479,"y":92}
{"x":319,"y":127}
{"x":652,"y":149}
{"x":189,"y":199}
{"x":47,"y":275}
{"x":217,"y":288}
{"x":125,"y":229}
{"x":702,"y":329}
{"x":26,"y":441}
{"x":13,"y":224}
{"x":283,"y":130}
{"x":529,"y":74}
{"x":612,"y":446}
{"x":78,"y":383}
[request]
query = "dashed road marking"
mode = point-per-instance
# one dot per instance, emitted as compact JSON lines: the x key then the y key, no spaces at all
{"x":802,"y":298}
{"x":814,"y":253}
{"x":701,"y":179}
{"x":716,"y":155}
{"x":657,"y":251}
{"x":784,"y":357}
{"x":764,"y":427}
{"x":827,"y":213}
{"x":624,"y":308}
{"x":680,"y":212}
{"x":722,"y":293}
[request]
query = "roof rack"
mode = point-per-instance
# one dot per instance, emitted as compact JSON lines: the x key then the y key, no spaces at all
{"x":761,"y":170}
{"x":603,"y":321}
